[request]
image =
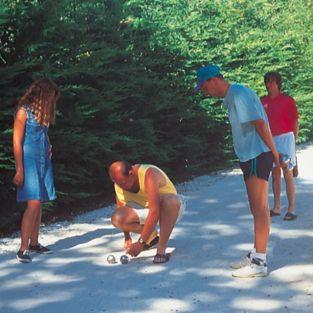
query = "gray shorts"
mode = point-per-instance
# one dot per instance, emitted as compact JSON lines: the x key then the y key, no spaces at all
{"x":143,"y":212}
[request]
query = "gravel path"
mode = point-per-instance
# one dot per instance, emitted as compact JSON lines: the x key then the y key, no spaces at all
{"x":215,"y":230}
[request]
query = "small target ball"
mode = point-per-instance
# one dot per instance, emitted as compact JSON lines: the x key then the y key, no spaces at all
{"x":111,"y":259}
{"x":124,"y":259}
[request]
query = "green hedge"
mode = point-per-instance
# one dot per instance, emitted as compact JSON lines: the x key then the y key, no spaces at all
{"x":126,"y":70}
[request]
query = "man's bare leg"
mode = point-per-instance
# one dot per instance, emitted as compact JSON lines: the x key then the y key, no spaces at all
{"x":257,"y":190}
{"x":126,"y":219}
{"x":290,"y":190}
{"x":276,"y":185}
{"x":170,"y":205}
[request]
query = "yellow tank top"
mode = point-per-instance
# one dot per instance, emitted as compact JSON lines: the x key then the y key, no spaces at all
{"x":141,"y":196}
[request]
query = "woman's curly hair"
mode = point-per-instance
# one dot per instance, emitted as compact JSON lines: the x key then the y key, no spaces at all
{"x":41,"y":98}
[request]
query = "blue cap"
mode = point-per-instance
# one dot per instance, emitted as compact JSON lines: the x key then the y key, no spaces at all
{"x":206,"y":72}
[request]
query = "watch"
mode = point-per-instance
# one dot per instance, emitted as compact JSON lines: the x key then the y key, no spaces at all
{"x":140,"y":240}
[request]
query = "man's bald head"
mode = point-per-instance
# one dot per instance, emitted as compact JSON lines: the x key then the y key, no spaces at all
{"x":119,"y":169}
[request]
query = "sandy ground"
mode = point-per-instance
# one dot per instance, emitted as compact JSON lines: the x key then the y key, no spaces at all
{"x":215,"y":230}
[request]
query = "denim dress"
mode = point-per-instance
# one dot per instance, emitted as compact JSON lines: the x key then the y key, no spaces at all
{"x":38,"y":178}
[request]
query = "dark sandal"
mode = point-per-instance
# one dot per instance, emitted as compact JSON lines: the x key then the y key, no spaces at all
{"x":152,"y":243}
{"x":161,"y":258}
{"x":290,"y":216}
{"x":272,"y":213}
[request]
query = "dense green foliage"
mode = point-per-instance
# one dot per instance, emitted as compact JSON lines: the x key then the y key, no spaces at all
{"x":126,"y":70}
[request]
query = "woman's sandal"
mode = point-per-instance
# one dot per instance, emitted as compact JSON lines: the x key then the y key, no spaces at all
{"x":161,"y":258}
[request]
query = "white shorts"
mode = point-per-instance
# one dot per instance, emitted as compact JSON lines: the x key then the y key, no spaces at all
{"x":143,"y":212}
{"x":286,"y":144}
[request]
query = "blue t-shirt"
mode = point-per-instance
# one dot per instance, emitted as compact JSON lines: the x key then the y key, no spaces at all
{"x":244,"y":106}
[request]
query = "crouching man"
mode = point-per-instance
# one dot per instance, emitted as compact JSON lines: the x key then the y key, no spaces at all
{"x":145,"y":196}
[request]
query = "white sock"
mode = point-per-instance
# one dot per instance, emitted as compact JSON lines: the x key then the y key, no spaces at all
{"x":261,"y":256}
{"x":252,"y":252}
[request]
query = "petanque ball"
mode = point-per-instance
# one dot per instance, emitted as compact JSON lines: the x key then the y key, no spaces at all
{"x":111,"y":259}
{"x":124,"y":259}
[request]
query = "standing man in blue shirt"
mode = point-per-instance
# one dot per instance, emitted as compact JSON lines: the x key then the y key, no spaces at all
{"x":256,"y":151}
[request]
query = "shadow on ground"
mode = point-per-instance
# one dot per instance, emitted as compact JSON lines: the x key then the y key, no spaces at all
{"x":215,"y":230}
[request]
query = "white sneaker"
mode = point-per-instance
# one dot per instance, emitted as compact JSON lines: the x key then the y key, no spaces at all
{"x":246,"y":260}
{"x":256,"y":268}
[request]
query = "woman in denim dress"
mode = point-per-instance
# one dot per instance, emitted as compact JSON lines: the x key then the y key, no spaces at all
{"x":32,"y":153}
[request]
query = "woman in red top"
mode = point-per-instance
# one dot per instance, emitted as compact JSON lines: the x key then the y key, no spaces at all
{"x":283,"y":117}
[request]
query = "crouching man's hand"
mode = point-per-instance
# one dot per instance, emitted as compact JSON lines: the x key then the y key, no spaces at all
{"x":127,"y":243}
{"x":135,"y":248}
